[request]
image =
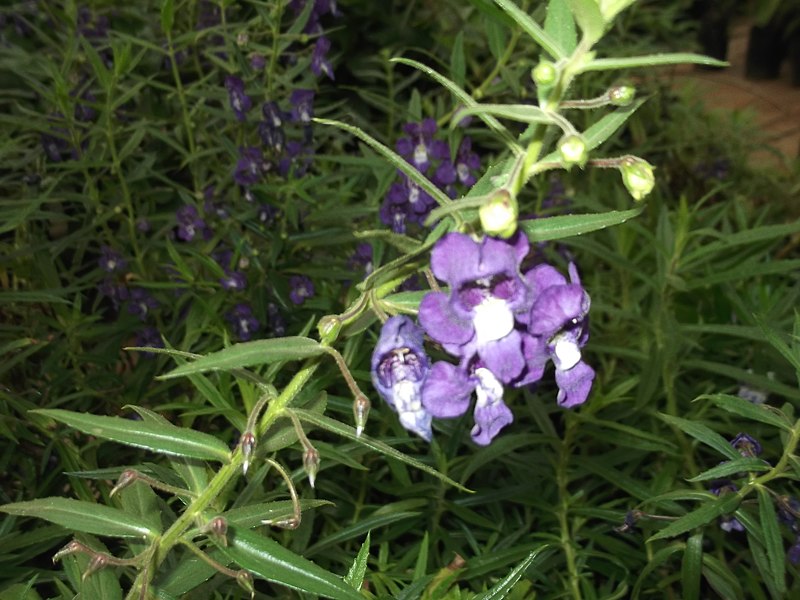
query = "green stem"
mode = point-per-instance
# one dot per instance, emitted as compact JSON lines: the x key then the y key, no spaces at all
{"x":187,"y":120}
{"x":562,"y":480}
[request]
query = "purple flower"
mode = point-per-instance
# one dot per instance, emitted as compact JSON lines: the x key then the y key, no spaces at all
{"x":727,"y":522}
{"x":113,"y":290}
{"x":258,"y":62}
{"x":405,"y":202}
{"x":361,"y":258}
{"x":242,"y":321}
{"x":250,"y":166}
{"x":419,"y":148}
{"x":399,"y":369}
{"x":140,"y":303}
{"x":319,"y":62}
{"x":302,"y":102}
{"x":190,"y":224}
{"x":111,"y":260}
{"x":466,"y":163}
{"x":233,"y":281}
{"x":487,"y":294}
{"x":746,"y":445}
{"x":273,"y":115}
{"x":240,"y":102}
{"x":275,"y":321}
{"x":302,"y":288}
{"x":297,"y":160}
{"x":266,"y":214}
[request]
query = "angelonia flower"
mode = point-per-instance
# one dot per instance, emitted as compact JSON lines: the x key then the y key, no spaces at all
{"x":503,"y":327}
{"x":406,"y":202}
{"x":242,"y":321}
{"x":302,"y":288}
{"x":191,"y":224}
{"x":250,"y":166}
{"x":399,"y":370}
{"x":240,"y":102}
{"x":150,"y":337}
{"x":747,"y":446}
{"x":141,"y":302}
{"x":319,"y":58}
{"x":727,"y":523}
{"x":111,"y":260}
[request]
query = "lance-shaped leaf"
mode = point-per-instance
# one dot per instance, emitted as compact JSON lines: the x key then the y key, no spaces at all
{"x":503,"y":587}
{"x":651,"y":60}
{"x":164,"y":438}
{"x":250,"y":354}
{"x":773,"y":539}
{"x":267,"y":559}
{"x":728,"y":468}
{"x":564,"y":226}
{"x":87,"y":517}
{"x":703,"y":433}
{"x":532,"y":28}
{"x":755,"y":412}
{"x":525,"y":113}
{"x":355,"y":576}
{"x":705,"y":514}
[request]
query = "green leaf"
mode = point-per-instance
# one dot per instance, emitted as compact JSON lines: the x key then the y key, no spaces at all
{"x":87,"y":517}
{"x":355,"y":576}
{"x":269,"y":560}
{"x":755,"y":412}
{"x":532,"y":28}
{"x":421,"y":564}
{"x":773,"y":542}
{"x":652,"y":60}
{"x":740,"y":465}
{"x":350,"y":433}
{"x":502,"y":588}
{"x":250,"y":354}
{"x":98,"y":66}
{"x":589,"y":18}
{"x":363,"y":525}
{"x":525,"y":113}
{"x":721,"y":579}
{"x":162,"y":438}
{"x":458,"y":64}
{"x":704,"y":434}
{"x":167,"y":16}
{"x":564,"y":226}
{"x":560,"y":25}
{"x":692,"y":567}
{"x":657,"y":561}
{"x":714,"y":508}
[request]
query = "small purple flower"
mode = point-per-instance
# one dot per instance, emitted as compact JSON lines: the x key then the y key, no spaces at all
{"x":361,"y":258}
{"x":242,"y":321}
{"x":404,"y":203}
{"x":419,"y":148}
{"x":467,"y":162}
{"x":266,"y":214}
{"x":273,"y":115}
{"x":275,"y":321}
{"x":234,"y":281}
{"x":258,"y":62}
{"x":793,"y":554}
{"x":240,"y":102}
{"x":746,"y":445}
{"x":113,"y":290}
{"x":111,"y":260}
{"x":788,"y":510}
{"x":302,"y":288}
{"x":727,"y":523}
{"x":140,"y":303}
{"x":250,"y":166}
{"x":399,"y":369}
{"x":149,"y":337}
{"x":302,"y":102}
{"x":190,"y":224}
{"x":297,"y":160}
{"x":319,"y":61}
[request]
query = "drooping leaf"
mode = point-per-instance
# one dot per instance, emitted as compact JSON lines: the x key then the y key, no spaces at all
{"x":701,"y":432}
{"x":157,"y":437}
{"x":355,"y":576}
{"x":87,"y":517}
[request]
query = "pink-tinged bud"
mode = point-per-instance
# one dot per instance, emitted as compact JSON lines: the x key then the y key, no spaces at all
{"x":127,"y":477}
{"x":98,"y":561}
{"x":217,"y":528}
{"x":311,"y":464}
{"x":361,"y":407}
{"x":72,"y":547}
{"x":245,"y":581}
{"x":248,"y":446}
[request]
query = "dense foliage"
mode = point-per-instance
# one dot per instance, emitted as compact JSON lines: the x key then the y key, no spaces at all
{"x":368,"y":299}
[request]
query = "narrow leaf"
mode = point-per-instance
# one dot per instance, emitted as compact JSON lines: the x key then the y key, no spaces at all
{"x":564,"y":226}
{"x":704,"y":434}
{"x":167,"y":16}
{"x":714,"y":508}
{"x":157,"y":437}
{"x":87,"y":517}
{"x":755,"y":412}
{"x":458,"y":64}
{"x":503,"y":587}
{"x":525,"y":113}
{"x":533,"y":29}
{"x":560,"y":25}
{"x":773,"y":542}
{"x":250,"y":354}
{"x":740,"y":465}
{"x":692,"y":567}
{"x":589,"y":18}
{"x":350,"y":433}
{"x":355,"y":576}
{"x":652,"y":60}
{"x":269,"y":560}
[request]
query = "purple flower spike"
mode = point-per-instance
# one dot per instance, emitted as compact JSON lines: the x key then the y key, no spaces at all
{"x":746,"y":445}
{"x":302,"y":288}
{"x":418,"y":148}
{"x":242,"y":321}
{"x":399,"y":370}
{"x":111,"y":260}
{"x":249,"y":167}
{"x":190,"y":224}
{"x":240,"y":102}
{"x":319,"y":61}
{"x":141,"y":303}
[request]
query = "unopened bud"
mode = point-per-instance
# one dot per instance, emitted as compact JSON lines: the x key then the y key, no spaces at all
{"x":127,"y":477}
{"x":499,"y":215}
{"x":218,"y":529}
{"x":544,"y":74}
{"x":245,"y":581}
{"x":311,"y":464}
{"x":329,"y":327}
{"x":72,"y":547}
{"x":361,"y":406}
{"x":98,"y":561}
{"x":637,"y":175}
{"x":248,"y":445}
{"x":621,"y":95}
{"x":242,"y":39}
{"x":290,"y":523}
{"x":573,"y":151}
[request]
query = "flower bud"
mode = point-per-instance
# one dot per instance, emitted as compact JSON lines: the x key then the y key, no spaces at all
{"x":245,"y":581}
{"x":97,"y":562}
{"x":217,"y":528}
{"x":361,"y":406}
{"x":311,"y":464}
{"x":499,"y":215}
{"x":242,"y":39}
{"x":72,"y":547}
{"x":573,"y":151}
{"x":544,"y":74}
{"x":329,"y":327}
{"x":127,"y":477}
{"x":637,"y":175}
{"x":621,"y":95}
{"x":248,"y":445}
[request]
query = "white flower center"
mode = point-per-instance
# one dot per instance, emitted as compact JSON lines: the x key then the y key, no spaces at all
{"x":420,"y":154}
{"x":567,"y":353}
{"x":492,"y":320}
{"x":489,"y":389}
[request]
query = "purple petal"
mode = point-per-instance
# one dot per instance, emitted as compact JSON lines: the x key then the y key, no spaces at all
{"x":534,"y":350}
{"x":444,"y":325}
{"x":555,"y":307}
{"x":491,"y":413}
{"x":504,"y":357}
{"x":447,"y":390}
{"x":574,"y":385}
{"x":455,"y":258}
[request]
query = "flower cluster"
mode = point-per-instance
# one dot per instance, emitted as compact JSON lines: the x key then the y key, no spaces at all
{"x":501,"y":325}
{"x":406,"y":202}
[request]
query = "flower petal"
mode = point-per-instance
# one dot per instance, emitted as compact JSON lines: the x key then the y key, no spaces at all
{"x":574,"y":384}
{"x":447,"y":390}
{"x":440,"y":321}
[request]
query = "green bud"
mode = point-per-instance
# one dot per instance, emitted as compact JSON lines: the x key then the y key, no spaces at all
{"x":621,"y":95}
{"x":245,"y":581}
{"x":499,"y":215}
{"x":361,"y":406}
{"x":329,"y":327}
{"x":311,"y":464}
{"x":573,"y":151}
{"x":637,"y":175}
{"x":544,"y":74}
